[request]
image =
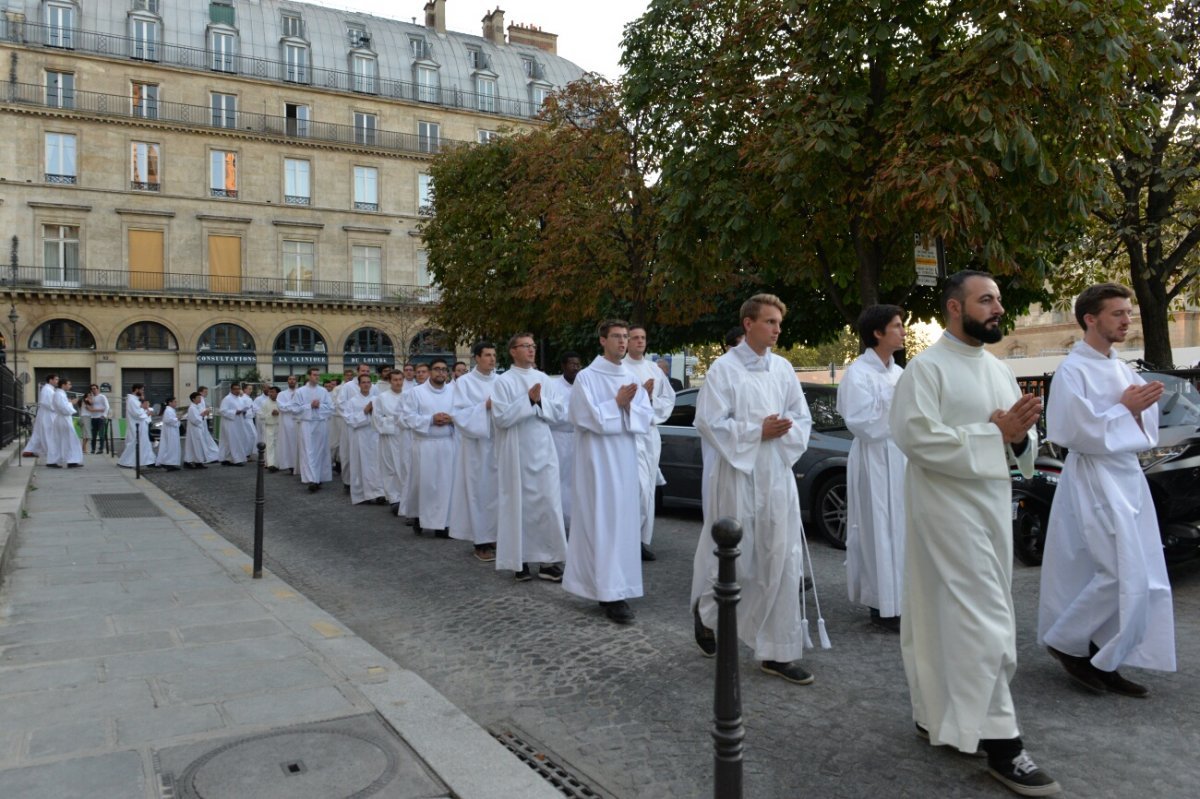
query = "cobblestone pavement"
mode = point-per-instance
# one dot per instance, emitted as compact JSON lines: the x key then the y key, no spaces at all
{"x":630,"y":708}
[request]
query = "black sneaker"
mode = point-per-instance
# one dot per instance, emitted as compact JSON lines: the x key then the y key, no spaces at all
{"x":1080,"y":669}
{"x":1117,"y":684}
{"x":1022,"y":776}
{"x":706,"y":639}
{"x":524,"y":575}
{"x":792,"y":672}
{"x":553,"y":573}
{"x":618,"y":611}
{"x":648,"y":553}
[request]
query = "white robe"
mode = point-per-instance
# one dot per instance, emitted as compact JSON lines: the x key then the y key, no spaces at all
{"x":529,"y":526}
{"x":433,"y":477}
{"x":339,"y":430}
{"x":249,"y":428}
{"x":234,"y":434}
{"x":957,"y":630}
{"x":604,"y":558}
{"x":874,"y":486}
{"x":268,"y":418}
{"x":473,"y":512}
{"x":136,"y":418}
{"x":386,"y":419}
{"x":564,"y":444}
{"x":312,"y":456}
{"x":1104,"y":579}
{"x":199,"y":446}
{"x":168,"y":442}
{"x":287,"y":433}
{"x":662,"y":401}
{"x":43,"y":422}
{"x":257,"y":404}
{"x":408,"y":465}
{"x":751,"y":481}
{"x":63,"y":447}
{"x":366,"y":482}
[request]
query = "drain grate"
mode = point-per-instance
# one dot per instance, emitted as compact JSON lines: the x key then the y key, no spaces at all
{"x":539,"y":759}
{"x":125,"y":506}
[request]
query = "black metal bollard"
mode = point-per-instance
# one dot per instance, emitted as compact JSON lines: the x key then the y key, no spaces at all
{"x":137,"y":447}
{"x":728,"y":731}
{"x":260,"y":501}
{"x":110,"y":438}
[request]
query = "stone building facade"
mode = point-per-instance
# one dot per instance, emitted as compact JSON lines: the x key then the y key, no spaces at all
{"x":192,"y":190}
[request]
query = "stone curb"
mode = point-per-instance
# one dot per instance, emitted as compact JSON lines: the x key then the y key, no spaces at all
{"x":14,"y":485}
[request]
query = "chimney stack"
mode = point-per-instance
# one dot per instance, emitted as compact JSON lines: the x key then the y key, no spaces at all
{"x":493,"y":27}
{"x":534,"y":37}
{"x":435,"y":15}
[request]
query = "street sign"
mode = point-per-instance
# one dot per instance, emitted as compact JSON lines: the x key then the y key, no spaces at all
{"x":926,"y":258}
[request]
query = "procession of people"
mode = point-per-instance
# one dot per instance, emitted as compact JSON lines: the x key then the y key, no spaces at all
{"x":554,"y":478}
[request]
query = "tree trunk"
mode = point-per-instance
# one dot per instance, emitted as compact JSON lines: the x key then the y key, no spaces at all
{"x":1153,"y":307}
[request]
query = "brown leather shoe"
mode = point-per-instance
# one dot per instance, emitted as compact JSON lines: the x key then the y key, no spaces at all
{"x":1081,"y":670}
{"x":1117,"y":684}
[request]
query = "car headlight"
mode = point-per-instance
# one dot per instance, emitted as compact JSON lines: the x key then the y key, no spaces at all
{"x":1150,"y":457}
{"x":1052,"y":479}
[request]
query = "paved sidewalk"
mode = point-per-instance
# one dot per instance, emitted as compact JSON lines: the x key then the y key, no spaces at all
{"x":133,"y":643}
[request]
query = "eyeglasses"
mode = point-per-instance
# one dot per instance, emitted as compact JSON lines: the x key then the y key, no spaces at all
{"x":525,"y":346}
{"x":440,"y":369}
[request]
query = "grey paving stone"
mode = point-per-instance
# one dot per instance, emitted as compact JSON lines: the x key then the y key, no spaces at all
{"x":112,"y":776}
{"x":161,"y":724}
{"x":188,"y":616}
{"x":90,"y":647}
{"x":244,"y":678}
{"x":70,"y":629}
{"x":231,"y":631}
{"x":291,"y":707}
{"x":45,"y":676}
{"x":230,"y":653}
{"x":101,"y":700}
{"x":68,"y":738}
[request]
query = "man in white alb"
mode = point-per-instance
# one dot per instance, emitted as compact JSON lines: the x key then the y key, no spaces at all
{"x":662,"y":400}
{"x":428,"y":414}
{"x":362,"y":453}
{"x":234,"y":434}
{"x":564,"y":431}
{"x":285,"y":443}
{"x":473,"y":511}
{"x":137,"y":431}
{"x":42,"y":424}
{"x":387,"y":420}
{"x":313,"y":407}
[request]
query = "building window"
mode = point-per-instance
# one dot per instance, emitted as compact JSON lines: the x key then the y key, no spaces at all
{"x":144,"y":166}
{"x":222,"y":174}
{"x":527,"y":66}
{"x":368,"y":271}
{"x":299,"y":259}
{"x":145,"y":100}
{"x":370,"y":341}
{"x":296,"y":181}
{"x":539,"y":95}
{"x":427,"y":85}
{"x":295,"y":59}
{"x":364,"y":128}
{"x":429,"y":136}
{"x":60,"y":253}
{"x":425,"y":195}
{"x":476,"y":59}
{"x":224,"y":110}
{"x":60,"y":26}
{"x":293,"y":26}
{"x":416,"y":46}
{"x":144,"y":35}
{"x":357,"y":36}
{"x":60,"y":158}
{"x":297,"y":119}
{"x":60,"y":89}
{"x":226,"y":337}
{"x":147,"y":336}
{"x":223,"y":46}
{"x":62,"y":334}
{"x":486,"y":136}
{"x":366,"y":188}
{"x":150,"y":6}
{"x":485,"y":90}
{"x":222,"y":13}
{"x":423,"y":278}
{"x":362,"y":69}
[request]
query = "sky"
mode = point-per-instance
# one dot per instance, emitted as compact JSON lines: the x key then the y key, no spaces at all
{"x":589,"y":33}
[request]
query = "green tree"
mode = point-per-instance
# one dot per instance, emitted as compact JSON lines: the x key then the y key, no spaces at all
{"x":803,"y":144}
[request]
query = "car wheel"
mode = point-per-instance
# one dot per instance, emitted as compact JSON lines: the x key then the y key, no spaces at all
{"x":828,"y":513}
{"x":1029,"y":532}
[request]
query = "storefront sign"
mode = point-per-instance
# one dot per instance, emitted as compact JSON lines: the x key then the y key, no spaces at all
{"x":373,"y":359}
{"x":301,"y":358}
{"x":227,"y":357}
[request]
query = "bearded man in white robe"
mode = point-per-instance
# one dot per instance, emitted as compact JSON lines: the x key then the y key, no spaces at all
{"x":662,"y":401}
{"x":959,"y":416}
{"x":530,"y":523}
{"x":1105,"y":598}
{"x":313,"y":407}
{"x":168,"y":441}
{"x":235,"y":436}
{"x":473,"y":512}
{"x":43,"y":419}
{"x":137,"y":431}
{"x":386,"y":419}
{"x":875,"y":468}
{"x":564,"y":432}
{"x":609,"y":412}
{"x":199,"y":447}
{"x":285,"y":443}
{"x":753,"y":416}
{"x":66,"y":448}
{"x":366,"y":484}
{"x":429,"y":414}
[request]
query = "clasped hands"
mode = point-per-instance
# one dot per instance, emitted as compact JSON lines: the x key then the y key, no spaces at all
{"x":1014,"y":423}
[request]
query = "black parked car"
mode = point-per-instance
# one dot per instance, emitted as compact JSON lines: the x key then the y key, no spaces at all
{"x":1172,"y":469}
{"x":820,"y":472}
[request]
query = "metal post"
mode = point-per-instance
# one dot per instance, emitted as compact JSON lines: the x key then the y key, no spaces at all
{"x":137,"y":444}
{"x":728,"y":732}
{"x":110,"y":438}
{"x":260,"y":501}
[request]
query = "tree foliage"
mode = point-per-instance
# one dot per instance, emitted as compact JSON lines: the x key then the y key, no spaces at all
{"x":803,"y":144}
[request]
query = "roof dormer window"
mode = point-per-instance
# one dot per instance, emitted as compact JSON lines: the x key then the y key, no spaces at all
{"x":292,"y":25}
{"x":358,"y":36}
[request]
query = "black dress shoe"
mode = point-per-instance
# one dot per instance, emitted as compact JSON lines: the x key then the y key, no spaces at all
{"x":272,"y":469}
{"x":618,"y":611}
{"x":792,"y":672}
{"x":1115,"y":683}
{"x":889,"y":623}
{"x":74,"y":465}
{"x":381,"y":501}
{"x":1081,"y":670}
{"x":706,"y":639}
{"x":648,"y":554}
{"x":314,"y":488}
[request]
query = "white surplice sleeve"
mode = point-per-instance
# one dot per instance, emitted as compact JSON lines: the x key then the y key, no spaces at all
{"x":734,"y":440}
{"x":1082,"y":424}
{"x":863,"y":400}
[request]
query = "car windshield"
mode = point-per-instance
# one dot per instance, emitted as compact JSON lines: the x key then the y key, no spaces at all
{"x":1180,"y":402}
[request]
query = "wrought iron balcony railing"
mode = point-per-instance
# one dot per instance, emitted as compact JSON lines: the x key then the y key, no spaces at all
{"x":34,"y":34}
{"x":123,"y":281}
{"x":115,"y":105}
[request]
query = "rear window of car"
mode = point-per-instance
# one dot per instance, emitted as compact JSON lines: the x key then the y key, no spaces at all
{"x":822,"y":404}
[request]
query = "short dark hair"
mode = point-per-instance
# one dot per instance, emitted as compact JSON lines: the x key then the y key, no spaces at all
{"x":133,"y":389}
{"x":515,"y":337}
{"x":608,"y":324}
{"x":479,"y":346}
{"x":312,"y":369}
{"x":51,"y":376}
{"x":568,"y":355}
{"x":168,"y":400}
{"x":1092,"y":300}
{"x":953,"y":290}
{"x":193,"y":395}
{"x":733,"y":334}
{"x":873,"y":319}
{"x":436,"y":361}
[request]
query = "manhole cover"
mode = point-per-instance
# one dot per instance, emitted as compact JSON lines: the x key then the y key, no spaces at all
{"x":353,"y":758}
{"x":125,"y":506}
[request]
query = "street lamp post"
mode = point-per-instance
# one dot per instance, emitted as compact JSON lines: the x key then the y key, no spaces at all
{"x":14,"y":317}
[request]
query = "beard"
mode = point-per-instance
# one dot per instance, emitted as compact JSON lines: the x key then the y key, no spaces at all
{"x":979,"y":330}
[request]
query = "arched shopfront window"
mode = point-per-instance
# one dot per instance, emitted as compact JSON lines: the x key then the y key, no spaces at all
{"x":369,"y":345}
{"x":296,"y":350}
{"x":225,"y":352}
{"x":226,"y":337}
{"x":62,"y":334}
{"x":142,"y":336}
{"x":429,"y":342}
